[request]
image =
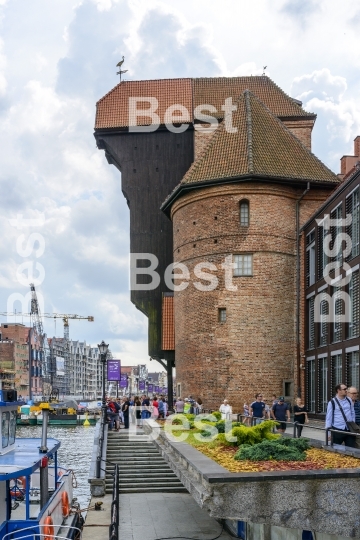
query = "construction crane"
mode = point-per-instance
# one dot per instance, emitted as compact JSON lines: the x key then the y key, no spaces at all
{"x":48,"y":369}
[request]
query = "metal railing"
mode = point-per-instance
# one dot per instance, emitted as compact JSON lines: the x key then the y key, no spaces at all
{"x":30,"y":534}
{"x":101,"y":443}
{"x":114,"y":516}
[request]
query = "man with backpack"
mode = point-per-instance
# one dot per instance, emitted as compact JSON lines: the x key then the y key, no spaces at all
{"x":340,"y":410}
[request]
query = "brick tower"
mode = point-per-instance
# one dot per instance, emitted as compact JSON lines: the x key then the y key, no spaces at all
{"x":237,"y":204}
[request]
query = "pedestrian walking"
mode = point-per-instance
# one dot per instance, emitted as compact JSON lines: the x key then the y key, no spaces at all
{"x":354,"y":395}
{"x":246,"y":414}
{"x":137,"y":403}
{"x":165,"y":407}
{"x":179,"y":405}
{"x":280,"y":412}
{"x":300,"y":415}
{"x":155,"y":407}
{"x":161,"y":408}
{"x":226,"y":410}
{"x":125,"y":410}
{"x":340,"y":410}
{"x":257,"y":409}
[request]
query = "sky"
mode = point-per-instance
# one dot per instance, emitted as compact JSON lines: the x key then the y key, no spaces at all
{"x":63,"y":219}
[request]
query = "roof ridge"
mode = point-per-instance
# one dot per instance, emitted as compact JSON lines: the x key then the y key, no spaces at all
{"x":298,"y":141}
{"x":249,"y":130}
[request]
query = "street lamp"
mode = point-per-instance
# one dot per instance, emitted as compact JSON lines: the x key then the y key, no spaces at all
{"x":103,"y":349}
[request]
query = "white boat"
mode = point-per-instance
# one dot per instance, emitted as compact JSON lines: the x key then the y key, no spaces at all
{"x":36,"y":493}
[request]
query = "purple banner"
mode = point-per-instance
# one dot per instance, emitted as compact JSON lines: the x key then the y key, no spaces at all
{"x":123,"y":381}
{"x":113,"y":370}
{"x":150,"y":388}
{"x":141,"y":386}
{"x":156,"y":389}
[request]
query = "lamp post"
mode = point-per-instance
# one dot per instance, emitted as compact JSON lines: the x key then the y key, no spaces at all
{"x":103,"y":349}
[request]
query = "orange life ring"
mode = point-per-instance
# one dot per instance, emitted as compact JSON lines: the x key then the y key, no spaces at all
{"x":48,"y":528}
{"x":65,"y":503}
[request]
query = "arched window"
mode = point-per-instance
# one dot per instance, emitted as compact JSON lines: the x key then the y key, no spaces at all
{"x":244,"y":213}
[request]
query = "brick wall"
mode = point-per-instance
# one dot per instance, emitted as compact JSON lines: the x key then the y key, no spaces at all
{"x":255,"y":349}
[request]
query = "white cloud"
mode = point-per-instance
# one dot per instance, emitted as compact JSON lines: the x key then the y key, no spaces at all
{"x":3,"y":82}
{"x":338,"y":113}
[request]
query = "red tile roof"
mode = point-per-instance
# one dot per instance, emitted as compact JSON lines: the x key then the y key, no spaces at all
{"x":262,"y":146}
{"x":168,"y":326}
{"x":113,"y":109}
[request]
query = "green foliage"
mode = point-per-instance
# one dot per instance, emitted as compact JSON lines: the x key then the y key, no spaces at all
{"x":220,"y":426}
{"x":217,"y":415}
{"x":190,"y":417}
{"x":221,"y":438}
{"x":279,"y":450}
{"x":255,"y":434}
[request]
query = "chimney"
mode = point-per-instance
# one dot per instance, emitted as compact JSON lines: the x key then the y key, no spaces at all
{"x":347,"y":163}
{"x":357,"y":146}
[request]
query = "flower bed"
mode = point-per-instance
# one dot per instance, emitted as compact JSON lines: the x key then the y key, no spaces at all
{"x":231,"y":449}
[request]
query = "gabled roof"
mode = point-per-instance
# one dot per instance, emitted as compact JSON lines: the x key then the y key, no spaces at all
{"x":261,"y":146}
{"x":112,"y":110}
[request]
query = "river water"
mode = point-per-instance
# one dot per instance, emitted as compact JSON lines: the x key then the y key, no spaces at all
{"x":74,"y":453}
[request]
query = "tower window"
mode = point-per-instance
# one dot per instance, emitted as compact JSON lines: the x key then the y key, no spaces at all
{"x":222,"y":315}
{"x":243,"y":265}
{"x":244,"y":213}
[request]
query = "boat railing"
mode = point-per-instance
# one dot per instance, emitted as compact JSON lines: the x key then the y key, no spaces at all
{"x":114,"y":516}
{"x":30,"y":534}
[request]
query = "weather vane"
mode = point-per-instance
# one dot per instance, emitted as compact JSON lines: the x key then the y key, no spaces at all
{"x":264,"y":68}
{"x":118,"y":65}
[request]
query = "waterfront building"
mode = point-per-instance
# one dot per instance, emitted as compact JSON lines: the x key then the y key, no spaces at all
{"x":237,"y":191}
{"x":331,"y":340}
{"x":19,"y":350}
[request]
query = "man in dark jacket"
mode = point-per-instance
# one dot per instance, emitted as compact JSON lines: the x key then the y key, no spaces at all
{"x":280,"y":412}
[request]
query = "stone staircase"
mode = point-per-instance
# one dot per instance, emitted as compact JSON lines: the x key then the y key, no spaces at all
{"x":141,"y":467}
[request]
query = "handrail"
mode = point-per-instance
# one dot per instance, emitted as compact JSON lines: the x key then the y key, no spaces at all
{"x":101,"y":443}
{"x":114,"y":515}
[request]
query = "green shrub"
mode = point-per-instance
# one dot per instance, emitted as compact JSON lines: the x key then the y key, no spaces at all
{"x":279,"y":450}
{"x":220,"y":426}
{"x":190,"y":417}
{"x":254,"y":435}
{"x":217,"y":415}
{"x":221,"y":438}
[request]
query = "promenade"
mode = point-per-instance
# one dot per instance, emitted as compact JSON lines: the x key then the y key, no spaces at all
{"x":152,"y":516}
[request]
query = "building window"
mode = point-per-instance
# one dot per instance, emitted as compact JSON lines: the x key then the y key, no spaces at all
{"x":311,"y":324}
{"x":352,"y":364}
{"x":336,"y":370}
{"x":338,"y":309}
{"x":242,"y":265}
{"x":323,"y":384}
{"x":310,"y":259}
{"x":336,"y":231}
{"x":222,"y":315}
{"x":311,"y":385}
{"x":322,"y":257}
{"x":353,"y":327}
{"x":323,"y":332}
{"x":244,"y":213}
{"x":352,"y":208}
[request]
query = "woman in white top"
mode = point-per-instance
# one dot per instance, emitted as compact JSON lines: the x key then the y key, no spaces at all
{"x":226,"y":410}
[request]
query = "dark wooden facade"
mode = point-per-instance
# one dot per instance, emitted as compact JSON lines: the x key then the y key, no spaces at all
{"x":332,"y":332}
{"x":151,"y":165}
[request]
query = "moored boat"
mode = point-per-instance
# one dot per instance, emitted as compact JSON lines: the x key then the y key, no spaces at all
{"x":36,"y":493}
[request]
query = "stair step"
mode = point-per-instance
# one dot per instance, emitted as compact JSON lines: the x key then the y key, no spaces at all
{"x":137,"y":489}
